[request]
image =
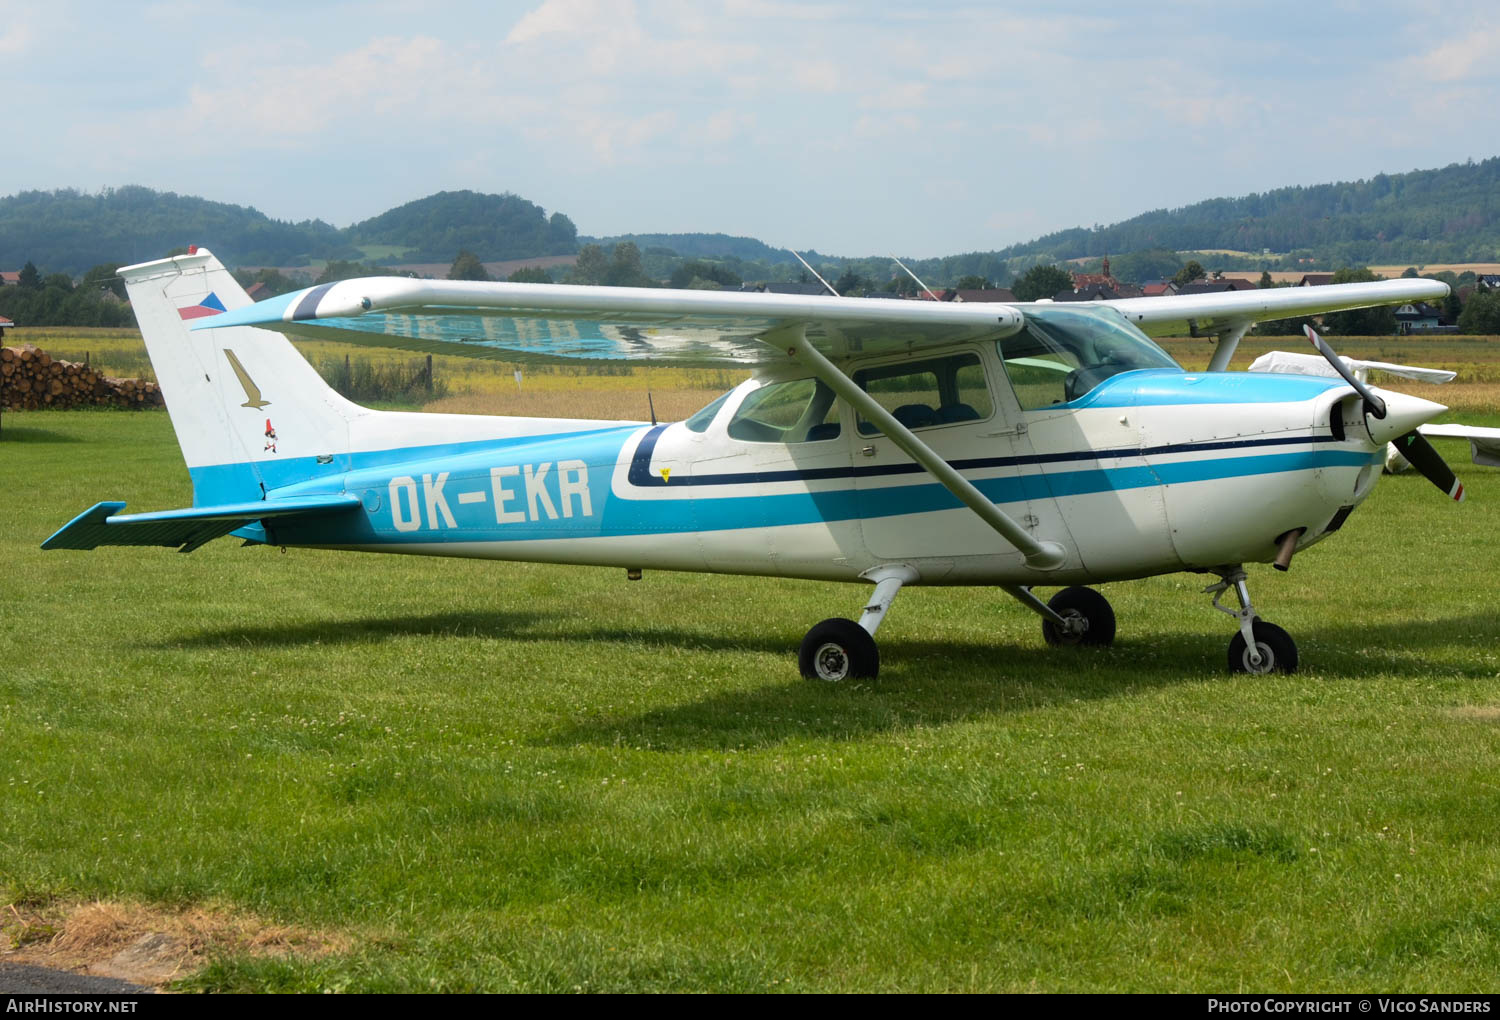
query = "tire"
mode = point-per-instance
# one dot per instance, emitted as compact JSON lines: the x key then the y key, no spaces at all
{"x":837,"y":650}
{"x":1278,"y":651}
{"x":1088,"y":604}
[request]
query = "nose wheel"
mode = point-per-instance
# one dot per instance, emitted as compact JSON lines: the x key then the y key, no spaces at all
{"x":1273,"y":646}
{"x":1259,"y":647}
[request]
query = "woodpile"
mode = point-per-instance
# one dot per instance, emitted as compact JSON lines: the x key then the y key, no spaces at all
{"x":31,"y":379}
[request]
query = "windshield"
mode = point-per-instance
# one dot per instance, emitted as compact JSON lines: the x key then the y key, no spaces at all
{"x":1062,"y":353}
{"x":700,"y":421}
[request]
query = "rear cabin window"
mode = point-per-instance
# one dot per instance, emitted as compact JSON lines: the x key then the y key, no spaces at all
{"x":800,"y":411}
{"x":942,"y":391}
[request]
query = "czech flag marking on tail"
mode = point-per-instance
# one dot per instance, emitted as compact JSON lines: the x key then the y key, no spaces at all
{"x":210,"y":305}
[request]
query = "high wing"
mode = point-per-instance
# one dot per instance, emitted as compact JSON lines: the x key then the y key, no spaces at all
{"x":518,"y":322}
{"x":1208,"y":314}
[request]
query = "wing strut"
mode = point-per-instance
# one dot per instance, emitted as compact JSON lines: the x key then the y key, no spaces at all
{"x":1039,"y":555}
{"x":1229,"y":339}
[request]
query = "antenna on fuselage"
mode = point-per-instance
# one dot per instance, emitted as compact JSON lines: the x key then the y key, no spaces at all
{"x":652,"y":405}
{"x":810,"y":269}
{"x":914,"y":276}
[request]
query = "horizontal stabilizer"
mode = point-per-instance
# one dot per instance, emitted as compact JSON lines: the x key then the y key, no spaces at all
{"x":187,"y":529}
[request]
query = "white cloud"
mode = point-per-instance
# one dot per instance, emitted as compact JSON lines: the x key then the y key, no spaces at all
{"x":571,"y":18}
{"x":612,"y":109}
{"x":785,"y":11}
{"x":15,"y":39}
{"x":727,"y":126}
{"x":1476,"y":49}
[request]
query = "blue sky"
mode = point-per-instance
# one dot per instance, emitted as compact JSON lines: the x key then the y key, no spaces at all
{"x":855,"y":129}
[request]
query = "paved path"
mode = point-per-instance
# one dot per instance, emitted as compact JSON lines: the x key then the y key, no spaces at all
{"x":25,"y":979}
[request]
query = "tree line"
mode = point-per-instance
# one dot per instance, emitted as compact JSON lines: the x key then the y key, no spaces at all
{"x":55,"y":300}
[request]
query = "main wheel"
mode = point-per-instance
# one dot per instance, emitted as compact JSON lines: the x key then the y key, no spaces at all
{"x":1095,"y":619}
{"x":837,"y":650}
{"x":1278,"y":652}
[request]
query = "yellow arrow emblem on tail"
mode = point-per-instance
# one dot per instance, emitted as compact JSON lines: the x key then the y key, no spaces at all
{"x":252,"y":391}
{"x":666,"y":475}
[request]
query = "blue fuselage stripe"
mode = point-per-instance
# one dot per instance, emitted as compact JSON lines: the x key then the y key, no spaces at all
{"x":640,"y":474}
{"x":622,"y":516}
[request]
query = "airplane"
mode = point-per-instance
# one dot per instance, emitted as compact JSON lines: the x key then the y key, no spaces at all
{"x":887,"y":443}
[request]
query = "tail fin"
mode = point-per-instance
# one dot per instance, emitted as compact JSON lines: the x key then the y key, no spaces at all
{"x":249,"y":411}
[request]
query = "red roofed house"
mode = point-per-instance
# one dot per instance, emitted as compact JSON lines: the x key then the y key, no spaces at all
{"x":1083,"y":281}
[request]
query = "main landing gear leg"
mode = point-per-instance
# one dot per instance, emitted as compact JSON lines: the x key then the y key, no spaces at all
{"x":1259,"y":647}
{"x":1074,"y":616}
{"x":840,"y":649}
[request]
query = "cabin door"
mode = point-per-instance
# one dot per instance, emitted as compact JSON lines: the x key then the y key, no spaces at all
{"x":949,"y":403}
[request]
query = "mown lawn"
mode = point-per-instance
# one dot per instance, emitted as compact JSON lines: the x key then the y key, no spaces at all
{"x":492,"y":776}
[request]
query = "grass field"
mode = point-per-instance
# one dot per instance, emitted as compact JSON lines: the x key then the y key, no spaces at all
{"x":455,"y":775}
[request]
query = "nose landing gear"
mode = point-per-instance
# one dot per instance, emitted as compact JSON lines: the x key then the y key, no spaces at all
{"x":1259,"y":647}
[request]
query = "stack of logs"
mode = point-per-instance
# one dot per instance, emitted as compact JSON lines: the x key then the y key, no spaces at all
{"x":32,"y":379}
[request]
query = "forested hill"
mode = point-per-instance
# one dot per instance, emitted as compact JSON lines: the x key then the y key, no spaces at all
{"x":493,"y":227}
{"x":70,"y":231}
{"x":1447,"y":215}
{"x":747,"y":249}
{"x":1418,"y":218}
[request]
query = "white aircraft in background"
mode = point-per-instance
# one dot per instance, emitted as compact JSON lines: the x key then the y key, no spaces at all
{"x":890,"y":443}
{"x":1484,"y":443}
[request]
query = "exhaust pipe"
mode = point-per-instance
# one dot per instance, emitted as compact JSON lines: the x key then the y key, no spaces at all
{"x":1286,"y":544}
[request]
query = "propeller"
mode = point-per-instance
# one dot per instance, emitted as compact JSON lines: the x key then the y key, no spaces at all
{"x":1373,"y":404}
{"x":1412,"y":445}
{"x":1416,"y":449}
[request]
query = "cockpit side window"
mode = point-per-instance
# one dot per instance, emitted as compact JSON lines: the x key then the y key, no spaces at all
{"x":941,"y":391}
{"x":1063,"y":353}
{"x":799,"y":411}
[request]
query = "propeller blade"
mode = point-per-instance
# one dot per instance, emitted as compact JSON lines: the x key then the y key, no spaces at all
{"x":1375,"y":404}
{"x":1415,"y":448}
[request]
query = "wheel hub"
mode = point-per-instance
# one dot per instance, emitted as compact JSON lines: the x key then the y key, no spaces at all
{"x":1077,"y":625}
{"x":832,"y":662}
{"x":1267,"y":661}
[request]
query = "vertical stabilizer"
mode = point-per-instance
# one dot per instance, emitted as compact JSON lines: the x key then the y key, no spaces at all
{"x":249,"y":411}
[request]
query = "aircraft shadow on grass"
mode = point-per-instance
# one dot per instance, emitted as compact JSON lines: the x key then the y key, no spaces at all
{"x":929,"y":683}
{"x":367,"y":630}
{"x":14,"y":434}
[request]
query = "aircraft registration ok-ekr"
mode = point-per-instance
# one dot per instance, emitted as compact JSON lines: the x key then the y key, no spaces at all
{"x":893,"y":443}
